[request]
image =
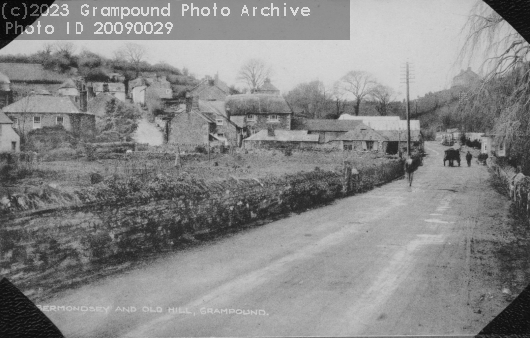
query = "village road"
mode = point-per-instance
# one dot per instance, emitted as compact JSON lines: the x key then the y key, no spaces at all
{"x":393,"y":261}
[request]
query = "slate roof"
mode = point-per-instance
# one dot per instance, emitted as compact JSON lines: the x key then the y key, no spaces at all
{"x":284,"y":136}
{"x":69,"y":83}
{"x":367,"y":118}
{"x":361,"y":135}
{"x":204,"y":89}
{"x":394,"y":135}
{"x":256,"y":104}
{"x":43,"y":104}
{"x":325,"y":125}
{"x":4,"y":119}
{"x":30,"y":72}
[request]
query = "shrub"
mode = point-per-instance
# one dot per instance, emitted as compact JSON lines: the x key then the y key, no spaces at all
{"x":61,"y":154}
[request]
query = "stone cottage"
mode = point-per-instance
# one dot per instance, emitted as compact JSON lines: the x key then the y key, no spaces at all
{"x":37,"y":111}
{"x":203,"y":123}
{"x":9,"y":139}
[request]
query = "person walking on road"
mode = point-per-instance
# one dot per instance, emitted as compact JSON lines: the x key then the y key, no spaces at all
{"x":468,"y":158}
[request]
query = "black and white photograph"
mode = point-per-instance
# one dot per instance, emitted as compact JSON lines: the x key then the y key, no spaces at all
{"x":239,"y":168}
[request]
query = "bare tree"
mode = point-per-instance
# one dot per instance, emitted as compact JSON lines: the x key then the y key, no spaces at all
{"x":65,"y":48}
{"x":382,"y":95}
{"x":132,"y":52}
{"x":253,"y":73}
{"x":358,"y":83}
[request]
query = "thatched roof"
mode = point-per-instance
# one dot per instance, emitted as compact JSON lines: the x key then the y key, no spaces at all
{"x":30,"y":73}
{"x":256,"y":104}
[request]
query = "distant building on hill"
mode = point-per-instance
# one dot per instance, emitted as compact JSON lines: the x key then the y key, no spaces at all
{"x":466,"y":78}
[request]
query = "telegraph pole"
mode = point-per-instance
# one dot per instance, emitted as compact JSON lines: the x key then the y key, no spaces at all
{"x":407,"y":79}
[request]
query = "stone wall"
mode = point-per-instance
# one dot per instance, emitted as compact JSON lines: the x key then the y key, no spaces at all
{"x":53,"y":237}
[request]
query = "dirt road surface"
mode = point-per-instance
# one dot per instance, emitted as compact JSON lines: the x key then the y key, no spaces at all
{"x":397,"y":260}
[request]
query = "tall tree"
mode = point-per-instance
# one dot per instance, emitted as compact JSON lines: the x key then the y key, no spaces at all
{"x":358,"y":83}
{"x":312,"y":98}
{"x":382,"y":95}
{"x":253,"y":73}
{"x":133,"y":53}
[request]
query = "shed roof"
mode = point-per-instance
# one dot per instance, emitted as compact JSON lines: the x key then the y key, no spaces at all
{"x":361,"y":135}
{"x":325,"y":125}
{"x":284,"y":136}
{"x":368,"y":118}
{"x":42,"y":104}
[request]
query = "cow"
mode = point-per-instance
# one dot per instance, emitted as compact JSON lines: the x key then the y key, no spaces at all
{"x":451,"y":155}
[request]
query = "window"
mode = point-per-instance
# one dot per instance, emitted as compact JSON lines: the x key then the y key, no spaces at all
{"x":219,"y":121}
{"x":273,"y":118}
{"x":59,"y":120}
{"x":251,"y":118}
{"x":501,"y":146}
{"x":220,"y":135}
{"x":15,"y":121}
{"x":348,"y":147}
{"x":369,"y":145}
{"x":36,"y":122}
{"x":13,"y":146}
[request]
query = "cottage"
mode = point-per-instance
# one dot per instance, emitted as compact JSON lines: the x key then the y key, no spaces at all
{"x":361,"y":138}
{"x":115,"y":89}
{"x":9,"y":139}
{"x":203,"y":123}
{"x":493,"y":145}
{"x":255,"y":112}
{"x":37,"y":111}
{"x":141,"y":87}
{"x":211,"y":89}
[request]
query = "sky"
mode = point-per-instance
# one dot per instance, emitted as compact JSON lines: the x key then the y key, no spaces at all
{"x":384,"y":34}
